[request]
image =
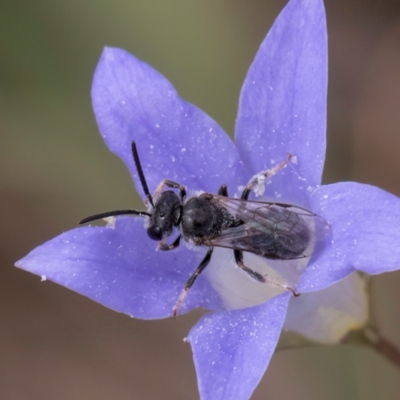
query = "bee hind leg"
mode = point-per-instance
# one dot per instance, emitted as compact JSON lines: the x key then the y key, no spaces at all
{"x":257,"y":276}
{"x":223,"y":190}
{"x":267,"y":174}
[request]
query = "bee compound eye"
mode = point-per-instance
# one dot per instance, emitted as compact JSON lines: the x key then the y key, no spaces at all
{"x":154,"y":232}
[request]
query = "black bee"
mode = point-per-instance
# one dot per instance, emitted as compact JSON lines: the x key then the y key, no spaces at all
{"x":272,"y":230}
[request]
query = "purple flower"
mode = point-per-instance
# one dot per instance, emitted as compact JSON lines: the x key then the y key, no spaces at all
{"x":282,"y":110}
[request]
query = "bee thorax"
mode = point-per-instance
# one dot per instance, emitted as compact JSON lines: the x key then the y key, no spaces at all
{"x":201,"y":219}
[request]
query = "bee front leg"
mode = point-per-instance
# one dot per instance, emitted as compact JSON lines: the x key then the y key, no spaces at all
{"x":189,"y":283}
{"x":165,"y":246}
{"x":171,"y":184}
{"x":257,"y":276}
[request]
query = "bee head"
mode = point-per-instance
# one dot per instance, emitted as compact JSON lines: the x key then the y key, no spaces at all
{"x":166,"y":214}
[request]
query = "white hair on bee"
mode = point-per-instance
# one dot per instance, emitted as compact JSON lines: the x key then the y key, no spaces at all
{"x":111,"y":221}
{"x":195,"y":193}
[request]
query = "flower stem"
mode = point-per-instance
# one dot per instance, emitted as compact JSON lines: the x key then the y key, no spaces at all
{"x":382,"y":345}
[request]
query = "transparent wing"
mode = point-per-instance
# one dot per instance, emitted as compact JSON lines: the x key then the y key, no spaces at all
{"x":273,"y":230}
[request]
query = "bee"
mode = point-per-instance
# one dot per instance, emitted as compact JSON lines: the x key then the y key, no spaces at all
{"x":272,"y":230}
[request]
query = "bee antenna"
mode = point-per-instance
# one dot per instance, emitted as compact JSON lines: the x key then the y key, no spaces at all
{"x":113,"y":214}
{"x":141,"y":174}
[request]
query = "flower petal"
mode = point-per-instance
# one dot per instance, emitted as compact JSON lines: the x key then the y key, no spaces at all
{"x":120,"y":268}
{"x":238,"y":290}
{"x":283,"y":101}
{"x":365,"y":224}
{"x":175,"y":139}
{"x":328,"y":315}
{"x":231,"y":350}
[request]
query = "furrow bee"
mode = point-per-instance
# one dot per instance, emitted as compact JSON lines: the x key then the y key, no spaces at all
{"x":273,"y":230}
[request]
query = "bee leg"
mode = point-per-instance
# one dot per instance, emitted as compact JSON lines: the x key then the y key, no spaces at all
{"x":165,"y":246}
{"x":257,"y":276}
{"x":267,"y":174}
{"x":239,"y":261}
{"x":223,"y":190}
{"x":171,"y":184}
{"x":189,"y":283}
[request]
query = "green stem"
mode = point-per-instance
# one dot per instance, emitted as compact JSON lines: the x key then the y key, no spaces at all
{"x":382,"y":346}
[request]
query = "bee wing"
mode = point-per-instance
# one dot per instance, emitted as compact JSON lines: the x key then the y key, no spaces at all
{"x":273,"y":230}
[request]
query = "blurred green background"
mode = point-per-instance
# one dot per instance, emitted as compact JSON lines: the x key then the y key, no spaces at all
{"x":55,"y":169}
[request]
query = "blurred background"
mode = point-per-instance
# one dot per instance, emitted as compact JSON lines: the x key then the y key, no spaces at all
{"x":55,"y":169}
